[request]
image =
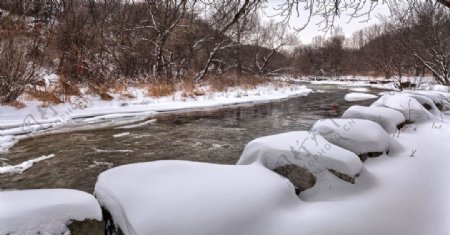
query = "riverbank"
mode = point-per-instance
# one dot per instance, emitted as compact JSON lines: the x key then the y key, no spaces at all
{"x":401,"y":192}
{"x":36,"y":118}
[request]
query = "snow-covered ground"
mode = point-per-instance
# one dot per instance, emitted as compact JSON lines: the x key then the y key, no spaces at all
{"x":79,"y":112}
{"x":403,"y":192}
{"x":45,"y":211}
{"x":180,"y":197}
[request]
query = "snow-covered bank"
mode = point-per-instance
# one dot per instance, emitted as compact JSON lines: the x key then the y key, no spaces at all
{"x":33,"y":119}
{"x":179,"y":197}
{"x":45,"y":211}
{"x":403,"y":192}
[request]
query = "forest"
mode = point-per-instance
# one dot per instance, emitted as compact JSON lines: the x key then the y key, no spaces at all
{"x":99,"y":44}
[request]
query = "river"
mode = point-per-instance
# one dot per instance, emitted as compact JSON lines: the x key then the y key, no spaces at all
{"x":208,"y":135}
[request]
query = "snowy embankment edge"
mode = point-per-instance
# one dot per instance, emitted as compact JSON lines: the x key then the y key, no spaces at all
{"x":17,"y":124}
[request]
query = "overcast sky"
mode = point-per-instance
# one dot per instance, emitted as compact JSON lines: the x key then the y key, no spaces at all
{"x":313,"y":29}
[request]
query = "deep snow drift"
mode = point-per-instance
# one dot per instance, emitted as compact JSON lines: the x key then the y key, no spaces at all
{"x":45,"y":211}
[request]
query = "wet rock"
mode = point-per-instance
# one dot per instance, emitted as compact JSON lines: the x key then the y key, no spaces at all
{"x":344,"y":176}
{"x":401,"y":125}
{"x":365,"y":156}
{"x":300,"y":177}
{"x":109,"y":226}
{"x":86,"y":227}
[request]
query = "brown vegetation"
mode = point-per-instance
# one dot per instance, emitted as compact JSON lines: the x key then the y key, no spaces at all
{"x":91,"y":43}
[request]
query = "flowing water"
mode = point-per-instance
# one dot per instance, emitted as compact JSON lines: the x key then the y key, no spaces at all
{"x":209,"y":135}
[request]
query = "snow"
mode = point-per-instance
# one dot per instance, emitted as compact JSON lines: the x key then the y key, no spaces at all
{"x":387,"y":118}
{"x":137,"y":124}
{"x":19,"y":168}
{"x":441,"y":88}
{"x":354,"y":96}
{"x":7,"y":142}
{"x":411,"y":109}
{"x":357,"y":135}
{"x":181,"y":197}
{"x":45,"y":211}
{"x":121,"y":134}
{"x":359,"y":89}
{"x":426,"y":102}
{"x":398,"y":194}
{"x":436,"y":97}
{"x":302,"y":148}
{"x":394,"y":194}
{"x":34,"y":119}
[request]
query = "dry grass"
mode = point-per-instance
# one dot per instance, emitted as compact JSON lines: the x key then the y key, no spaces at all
{"x":222,"y":83}
{"x":122,"y":90}
{"x":16,"y":104}
{"x":190,"y":89}
{"x":46,"y":97}
{"x":159,"y":89}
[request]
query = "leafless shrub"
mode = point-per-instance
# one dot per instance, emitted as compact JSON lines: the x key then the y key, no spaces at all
{"x":16,"y":71}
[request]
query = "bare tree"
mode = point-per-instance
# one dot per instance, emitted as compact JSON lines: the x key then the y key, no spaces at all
{"x":425,"y":32}
{"x":270,"y":38}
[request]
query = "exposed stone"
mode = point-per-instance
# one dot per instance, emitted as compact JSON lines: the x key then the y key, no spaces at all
{"x":401,"y":125}
{"x":365,"y":156}
{"x":343,"y":176}
{"x":87,"y":227}
{"x":109,"y":227}
{"x":300,"y":177}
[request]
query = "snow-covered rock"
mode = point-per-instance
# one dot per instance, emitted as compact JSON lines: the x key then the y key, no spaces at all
{"x":45,"y":211}
{"x":301,"y":148}
{"x":411,"y":109}
{"x":357,"y":135}
{"x":355,"y":96}
{"x":387,"y":118}
{"x":435,"y":96}
{"x":427,"y":103}
{"x":181,"y":197}
{"x":441,"y":88}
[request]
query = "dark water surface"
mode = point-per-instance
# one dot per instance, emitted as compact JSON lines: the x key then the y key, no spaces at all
{"x":210,"y":135}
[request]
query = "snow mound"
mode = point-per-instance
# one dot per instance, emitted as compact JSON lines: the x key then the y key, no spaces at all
{"x":181,"y":197}
{"x":441,"y":88}
{"x":427,"y":103}
{"x":357,"y":135}
{"x":411,"y":109}
{"x":387,"y":118}
{"x":359,"y":89}
{"x":355,"y":96}
{"x":305,"y":149}
{"x":45,"y":211}
{"x":435,"y":96}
